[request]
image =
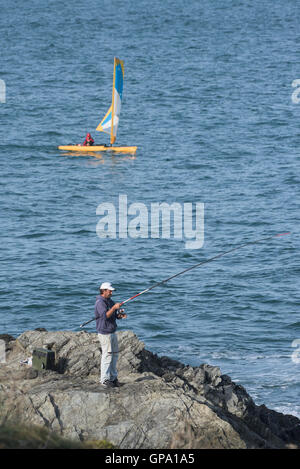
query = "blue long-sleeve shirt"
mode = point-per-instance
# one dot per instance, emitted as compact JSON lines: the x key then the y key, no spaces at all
{"x":105,"y":325}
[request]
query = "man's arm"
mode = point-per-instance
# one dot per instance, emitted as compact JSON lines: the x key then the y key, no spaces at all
{"x":111,"y":311}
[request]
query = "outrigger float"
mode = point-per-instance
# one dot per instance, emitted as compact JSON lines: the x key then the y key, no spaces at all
{"x":110,"y":122}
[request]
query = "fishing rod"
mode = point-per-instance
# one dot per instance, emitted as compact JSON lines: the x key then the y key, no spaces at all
{"x":211,"y":259}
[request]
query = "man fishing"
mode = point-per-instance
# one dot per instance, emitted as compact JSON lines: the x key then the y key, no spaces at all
{"x":106,"y":314}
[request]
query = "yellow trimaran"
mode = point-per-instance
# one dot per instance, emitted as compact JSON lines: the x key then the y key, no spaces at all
{"x":110,"y":122}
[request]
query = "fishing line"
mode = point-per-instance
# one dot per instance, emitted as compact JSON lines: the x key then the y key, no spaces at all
{"x":211,"y":259}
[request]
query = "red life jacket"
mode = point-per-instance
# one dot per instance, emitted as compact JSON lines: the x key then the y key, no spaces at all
{"x":88,"y":140}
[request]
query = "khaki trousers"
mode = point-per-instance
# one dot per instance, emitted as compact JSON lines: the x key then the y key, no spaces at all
{"x":109,"y":357}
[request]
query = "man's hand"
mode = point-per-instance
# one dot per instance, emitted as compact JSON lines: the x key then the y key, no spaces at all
{"x":122,"y":315}
{"x":114,"y":308}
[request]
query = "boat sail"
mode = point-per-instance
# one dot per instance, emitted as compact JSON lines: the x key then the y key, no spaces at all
{"x":110,"y":122}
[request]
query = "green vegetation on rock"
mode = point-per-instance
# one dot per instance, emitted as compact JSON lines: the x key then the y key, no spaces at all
{"x":19,"y":436}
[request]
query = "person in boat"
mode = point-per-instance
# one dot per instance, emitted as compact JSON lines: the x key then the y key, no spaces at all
{"x":89,"y":141}
{"x":106,"y":314}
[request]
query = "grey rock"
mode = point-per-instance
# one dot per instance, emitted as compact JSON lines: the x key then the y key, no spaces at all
{"x":161,"y":404}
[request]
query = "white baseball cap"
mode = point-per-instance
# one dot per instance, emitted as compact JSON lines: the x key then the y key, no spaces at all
{"x":106,"y":286}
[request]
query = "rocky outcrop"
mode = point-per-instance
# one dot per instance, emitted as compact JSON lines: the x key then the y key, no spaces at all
{"x":162,"y":403}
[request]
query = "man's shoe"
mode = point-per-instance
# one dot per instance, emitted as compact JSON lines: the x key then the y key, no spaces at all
{"x":116,"y":383}
{"x":108,"y":384}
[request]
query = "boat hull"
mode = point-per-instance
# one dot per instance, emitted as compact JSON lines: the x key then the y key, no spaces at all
{"x":95,"y":148}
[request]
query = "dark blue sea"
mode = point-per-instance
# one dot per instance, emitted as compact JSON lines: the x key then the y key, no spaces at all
{"x":209,"y":100}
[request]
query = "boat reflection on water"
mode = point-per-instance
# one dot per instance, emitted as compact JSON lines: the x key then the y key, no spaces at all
{"x":99,"y":158}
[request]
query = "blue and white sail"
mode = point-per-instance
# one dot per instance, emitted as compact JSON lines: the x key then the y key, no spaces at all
{"x":110,"y":122}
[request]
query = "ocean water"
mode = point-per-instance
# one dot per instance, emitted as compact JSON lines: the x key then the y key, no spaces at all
{"x":208,"y":99}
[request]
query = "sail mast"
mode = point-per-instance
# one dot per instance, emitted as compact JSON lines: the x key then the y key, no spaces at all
{"x":112,"y":137}
{"x":110,"y":122}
